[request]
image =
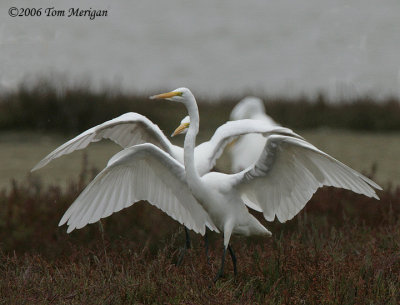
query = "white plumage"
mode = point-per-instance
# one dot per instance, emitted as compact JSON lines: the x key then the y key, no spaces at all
{"x":289,"y":172}
{"x":248,"y":148}
{"x":133,"y":128}
{"x":279,"y":184}
{"x":126,"y":130}
{"x":143,"y":172}
{"x":140,"y":172}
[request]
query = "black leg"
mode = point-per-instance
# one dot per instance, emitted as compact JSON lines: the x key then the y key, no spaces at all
{"x":206,"y":246}
{"x":221,"y":270}
{"x":183,"y":251}
{"x":233,"y":259}
{"x":187,"y":238}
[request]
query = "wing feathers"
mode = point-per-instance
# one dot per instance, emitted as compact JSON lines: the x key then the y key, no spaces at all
{"x":210,"y":151}
{"x":288,"y":173}
{"x":142,"y":172}
{"x":126,"y":130}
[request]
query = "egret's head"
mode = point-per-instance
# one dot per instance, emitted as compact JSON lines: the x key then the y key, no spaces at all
{"x":177,"y":95}
{"x":247,"y":108}
{"x":183,"y":127}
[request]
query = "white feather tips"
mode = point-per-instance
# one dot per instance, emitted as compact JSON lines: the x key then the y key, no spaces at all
{"x":144,"y":172}
{"x":289,"y":172}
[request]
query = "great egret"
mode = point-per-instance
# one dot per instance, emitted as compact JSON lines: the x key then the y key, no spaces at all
{"x":133,"y":128}
{"x":281,"y":182}
{"x":247,"y":149}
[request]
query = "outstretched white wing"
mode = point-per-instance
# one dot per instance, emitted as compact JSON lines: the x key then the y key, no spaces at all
{"x":207,"y":153}
{"x":126,"y":130}
{"x":289,"y":172}
{"x":142,"y":172}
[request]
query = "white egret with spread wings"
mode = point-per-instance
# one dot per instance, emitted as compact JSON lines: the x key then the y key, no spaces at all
{"x":133,"y":128}
{"x":279,"y":185}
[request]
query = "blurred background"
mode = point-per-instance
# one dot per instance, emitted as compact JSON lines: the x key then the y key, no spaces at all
{"x":218,"y":48}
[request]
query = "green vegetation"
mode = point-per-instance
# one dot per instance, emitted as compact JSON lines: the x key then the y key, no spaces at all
{"x":343,"y":248}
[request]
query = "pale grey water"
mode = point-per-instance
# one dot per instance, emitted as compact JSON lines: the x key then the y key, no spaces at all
{"x":214,"y":47}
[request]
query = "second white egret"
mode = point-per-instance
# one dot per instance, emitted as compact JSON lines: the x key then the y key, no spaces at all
{"x":248,"y":148}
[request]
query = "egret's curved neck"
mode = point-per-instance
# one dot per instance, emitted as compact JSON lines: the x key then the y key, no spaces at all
{"x":190,"y":142}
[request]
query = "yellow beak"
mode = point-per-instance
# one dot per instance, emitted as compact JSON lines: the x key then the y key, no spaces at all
{"x":181,"y":128}
{"x":165,"y":95}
